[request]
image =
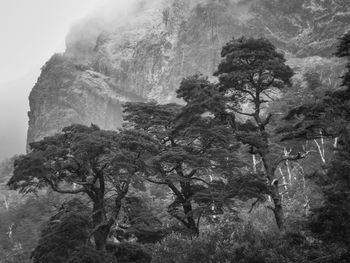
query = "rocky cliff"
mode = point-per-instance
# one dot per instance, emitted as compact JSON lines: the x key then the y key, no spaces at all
{"x":144,"y":53}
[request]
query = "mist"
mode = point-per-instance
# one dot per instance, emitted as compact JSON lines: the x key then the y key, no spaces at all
{"x":36,"y":30}
{"x":31,"y":32}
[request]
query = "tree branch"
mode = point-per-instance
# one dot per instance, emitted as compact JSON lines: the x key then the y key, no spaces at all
{"x":154,"y":182}
{"x":248,"y":92}
{"x":296,"y":157}
{"x":201,"y":180}
{"x":253,"y":205}
{"x":242,"y":113}
{"x":192,"y":173}
{"x":271,"y":208}
{"x":61,"y":191}
{"x":180,"y":219}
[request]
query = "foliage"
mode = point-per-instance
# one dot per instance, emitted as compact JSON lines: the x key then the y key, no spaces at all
{"x":129,"y":253}
{"x":20,"y":227}
{"x":251,"y":72}
{"x":186,"y":154}
{"x":65,"y":233}
{"x":6,"y":169}
{"x":234,"y":242}
{"x":143,"y":223}
{"x":80,"y":160}
{"x":206,"y":165}
{"x":90,"y":255}
{"x":331,"y":221}
{"x":330,"y":116}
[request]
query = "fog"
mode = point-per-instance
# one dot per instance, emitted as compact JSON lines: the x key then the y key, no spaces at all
{"x":32,"y":31}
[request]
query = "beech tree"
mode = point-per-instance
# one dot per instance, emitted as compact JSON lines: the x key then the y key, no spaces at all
{"x":186,"y":156}
{"x":83,"y":161}
{"x":250,"y":72}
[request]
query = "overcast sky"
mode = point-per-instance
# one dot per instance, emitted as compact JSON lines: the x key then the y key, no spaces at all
{"x":31,"y":31}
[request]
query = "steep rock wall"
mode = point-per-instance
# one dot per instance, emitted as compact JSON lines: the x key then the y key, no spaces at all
{"x":145,"y":54}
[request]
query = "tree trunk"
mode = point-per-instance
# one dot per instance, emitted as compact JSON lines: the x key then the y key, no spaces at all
{"x":187,"y":207}
{"x":274,"y":193}
{"x":102,"y":225}
{"x":277,"y":210}
{"x":100,"y":237}
{"x":98,"y":218}
{"x":191,"y":224}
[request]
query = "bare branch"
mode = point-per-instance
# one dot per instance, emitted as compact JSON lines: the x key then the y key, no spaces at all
{"x":295,"y":157}
{"x":285,"y":192}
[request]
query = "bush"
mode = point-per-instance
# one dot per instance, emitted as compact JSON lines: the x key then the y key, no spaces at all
{"x":239,"y":243}
{"x":129,"y":253}
{"x":90,"y":255}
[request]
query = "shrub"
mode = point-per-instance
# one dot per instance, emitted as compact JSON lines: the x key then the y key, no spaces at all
{"x":129,"y":253}
{"x":239,"y":242}
{"x":90,"y":255}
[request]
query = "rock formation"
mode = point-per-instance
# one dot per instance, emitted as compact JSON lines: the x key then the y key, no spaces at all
{"x":144,"y":53}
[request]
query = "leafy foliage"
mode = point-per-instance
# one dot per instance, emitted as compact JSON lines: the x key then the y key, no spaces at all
{"x":129,"y":253}
{"x":332,"y":220}
{"x":251,"y":72}
{"x":142,"y":221}
{"x":202,"y":166}
{"x":239,"y":242}
{"x":186,"y":154}
{"x":65,"y":233}
{"x":330,"y":116}
{"x":21,"y":225}
{"x":89,"y":255}
{"x":80,"y":160}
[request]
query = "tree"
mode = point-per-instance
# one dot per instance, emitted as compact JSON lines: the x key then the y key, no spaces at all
{"x":63,"y":234}
{"x":331,"y":116}
{"x":331,"y":221}
{"x":330,"y":113}
{"x":186,"y":155}
{"x":83,"y":161}
{"x":66,"y":235}
{"x":250,"y":73}
{"x":21,"y":225}
{"x":140,"y":221}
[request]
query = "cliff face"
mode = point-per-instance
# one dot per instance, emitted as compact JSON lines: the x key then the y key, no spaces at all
{"x":144,"y":55}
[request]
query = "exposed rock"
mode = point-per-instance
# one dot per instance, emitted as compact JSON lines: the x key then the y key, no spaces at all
{"x":145,"y":54}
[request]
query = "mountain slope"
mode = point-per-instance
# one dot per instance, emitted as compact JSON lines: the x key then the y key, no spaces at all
{"x":144,"y":54}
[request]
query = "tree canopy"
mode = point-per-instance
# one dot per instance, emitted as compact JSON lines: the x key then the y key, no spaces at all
{"x":80,"y":160}
{"x":213,"y":178}
{"x":190,"y":156}
{"x":250,"y":74}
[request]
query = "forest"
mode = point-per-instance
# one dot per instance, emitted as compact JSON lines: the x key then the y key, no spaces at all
{"x":250,"y":168}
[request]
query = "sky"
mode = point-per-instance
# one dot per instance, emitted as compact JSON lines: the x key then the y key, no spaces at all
{"x":31,"y":32}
